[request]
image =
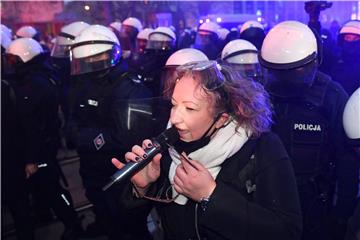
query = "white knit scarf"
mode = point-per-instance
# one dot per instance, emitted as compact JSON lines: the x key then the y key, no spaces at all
{"x":225,"y":143}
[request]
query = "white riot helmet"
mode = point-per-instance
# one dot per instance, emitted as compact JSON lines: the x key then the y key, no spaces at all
{"x":351,"y":117}
{"x":133,"y":22}
{"x":223,"y":32}
{"x":142,"y":39}
{"x":251,"y":24}
{"x":240,"y":52}
{"x":209,"y":27}
{"x":26,"y":32}
{"x":5,"y":41}
{"x":289,"y":53}
{"x":243,"y":57}
{"x":162,"y":38}
{"x":6,"y":31}
{"x":351,"y":27}
{"x":180,"y":57}
{"x":144,"y":34}
{"x":185,"y":55}
{"x":25,"y":49}
{"x":96,"y":48}
{"x":288,"y":45}
{"x":115,"y":26}
{"x":66,"y":38}
{"x":349,"y":41}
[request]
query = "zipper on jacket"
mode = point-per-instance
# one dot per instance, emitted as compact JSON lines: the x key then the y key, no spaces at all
{"x":196,"y":222}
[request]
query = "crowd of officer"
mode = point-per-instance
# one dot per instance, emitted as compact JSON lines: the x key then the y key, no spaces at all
{"x":107,"y":82}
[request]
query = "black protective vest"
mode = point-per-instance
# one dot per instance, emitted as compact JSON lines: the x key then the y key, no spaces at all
{"x":303,"y":126}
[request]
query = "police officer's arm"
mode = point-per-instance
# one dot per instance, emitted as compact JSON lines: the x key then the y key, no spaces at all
{"x":274,"y":212}
{"x":30,"y":125}
{"x":347,"y":166}
{"x":33,"y":112}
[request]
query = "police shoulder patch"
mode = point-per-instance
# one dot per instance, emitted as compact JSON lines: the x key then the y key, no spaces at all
{"x":99,"y":141}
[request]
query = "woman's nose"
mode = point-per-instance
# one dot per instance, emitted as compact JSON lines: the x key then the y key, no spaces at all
{"x":175,"y":116}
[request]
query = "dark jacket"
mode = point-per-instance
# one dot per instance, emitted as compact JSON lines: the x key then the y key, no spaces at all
{"x":311,"y":129}
{"x":105,"y":120}
{"x":272,"y":211}
{"x":36,"y":93}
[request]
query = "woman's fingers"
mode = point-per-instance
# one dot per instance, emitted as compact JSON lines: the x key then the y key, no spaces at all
{"x":130,"y":156}
{"x":178,"y":182}
{"x":178,"y":188}
{"x":117,"y":163}
{"x":180,"y":172}
{"x":156,"y":159}
{"x":147,"y":144}
{"x":138,"y":151}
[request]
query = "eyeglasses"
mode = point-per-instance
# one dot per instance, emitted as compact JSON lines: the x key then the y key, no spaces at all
{"x":209,"y":72}
{"x":158,"y":198}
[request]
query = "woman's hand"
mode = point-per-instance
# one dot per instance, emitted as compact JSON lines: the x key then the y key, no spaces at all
{"x":193,"y":180}
{"x":150,"y":173}
{"x":30,"y":169}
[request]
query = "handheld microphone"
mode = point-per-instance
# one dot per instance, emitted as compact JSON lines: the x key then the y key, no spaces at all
{"x":160,"y":143}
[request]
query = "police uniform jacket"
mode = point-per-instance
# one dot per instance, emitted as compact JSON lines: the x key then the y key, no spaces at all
{"x":255,"y":198}
{"x":313,"y":135}
{"x":35,"y":87}
{"x":99,"y":122}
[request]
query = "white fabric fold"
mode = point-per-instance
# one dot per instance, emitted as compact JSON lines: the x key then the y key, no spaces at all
{"x":225,"y":143}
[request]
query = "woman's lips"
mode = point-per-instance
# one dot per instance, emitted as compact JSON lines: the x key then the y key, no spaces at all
{"x":182,"y":132}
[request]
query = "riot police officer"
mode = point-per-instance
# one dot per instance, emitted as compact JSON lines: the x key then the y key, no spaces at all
{"x":308,"y":108}
{"x":135,"y":60}
{"x":142,"y":39}
{"x":30,"y":32}
{"x":207,"y":40}
{"x":13,"y":181}
{"x":253,"y":32}
{"x":109,"y":114}
{"x":116,"y":28}
{"x":243,"y":56}
{"x":129,"y":30}
{"x":161,"y":44}
{"x":6,"y":36}
{"x":60,"y":59}
{"x":347,"y":68}
{"x":186,"y":38}
{"x":351,"y":120}
{"x":36,"y":95}
{"x":223,"y":33}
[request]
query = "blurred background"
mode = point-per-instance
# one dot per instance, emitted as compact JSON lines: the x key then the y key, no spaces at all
{"x":50,"y":16}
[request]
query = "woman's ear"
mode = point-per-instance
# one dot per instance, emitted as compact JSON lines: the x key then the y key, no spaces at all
{"x":222,"y":120}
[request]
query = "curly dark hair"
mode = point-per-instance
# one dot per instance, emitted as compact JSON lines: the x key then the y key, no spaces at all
{"x":248,"y":102}
{"x":245,"y":100}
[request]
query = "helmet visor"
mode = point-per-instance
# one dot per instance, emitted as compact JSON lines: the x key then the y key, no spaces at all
{"x":290,"y":83}
{"x":141,"y":45}
{"x":96,"y":62}
{"x":127,"y":37}
{"x":60,"y":51}
{"x":205,"y":38}
{"x":251,"y":71}
{"x":160,"y":45}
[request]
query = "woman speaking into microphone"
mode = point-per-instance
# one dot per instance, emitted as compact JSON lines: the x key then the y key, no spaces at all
{"x":228,"y":176}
